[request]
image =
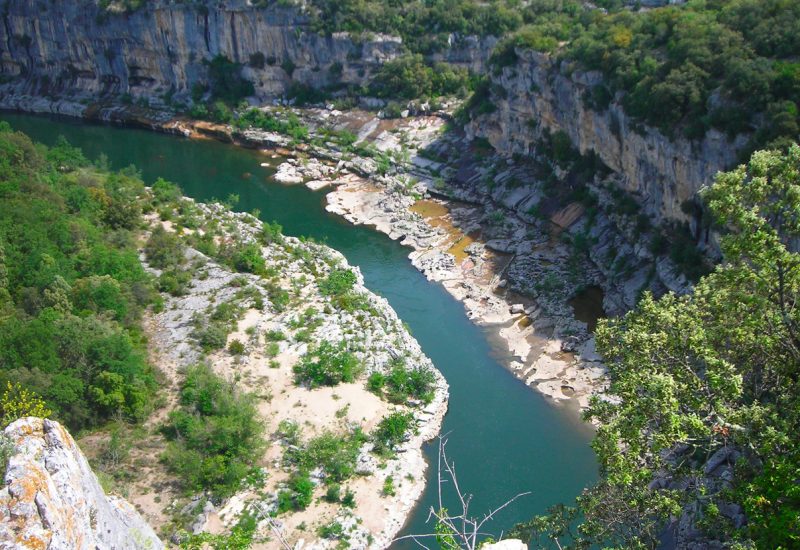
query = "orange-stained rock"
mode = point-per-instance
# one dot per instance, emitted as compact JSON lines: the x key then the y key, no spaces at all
{"x":52,"y":500}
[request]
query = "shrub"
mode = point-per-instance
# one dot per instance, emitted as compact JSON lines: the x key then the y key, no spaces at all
{"x":164,"y":249}
{"x":403,"y":383}
{"x":333,"y":493}
{"x":245,"y":258}
{"x":174,"y":281}
{"x":273,"y":349}
{"x":216,"y":434}
{"x":349,"y":499}
{"x":211,"y":336}
{"x":338,"y":282}
{"x":236,"y":347}
{"x":271,"y":233}
{"x":17,"y":402}
{"x":391,"y":431}
{"x":388,"y":487}
{"x":334,"y":454}
{"x":299,"y":494}
{"x":165,"y":191}
{"x":327,"y":365}
{"x":227,"y":82}
{"x":332,"y":530}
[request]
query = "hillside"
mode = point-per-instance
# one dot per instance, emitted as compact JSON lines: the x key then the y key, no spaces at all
{"x":551,"y":163}
{"x":233,"y":383}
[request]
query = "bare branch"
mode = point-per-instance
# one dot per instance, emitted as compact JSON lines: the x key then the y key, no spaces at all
{"x":464,"y":529}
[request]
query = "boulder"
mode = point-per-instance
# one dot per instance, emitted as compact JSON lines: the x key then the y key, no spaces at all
{"x":52,"y":499}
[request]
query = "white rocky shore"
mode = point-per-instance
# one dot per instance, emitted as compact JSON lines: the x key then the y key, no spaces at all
{"x":454,"y":244}
{"x":372,"y":331}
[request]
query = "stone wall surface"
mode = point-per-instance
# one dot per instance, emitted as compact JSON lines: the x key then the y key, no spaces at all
{"x":52,"y":499}
{"x":661,"y":172}
{"x":74,"y":45}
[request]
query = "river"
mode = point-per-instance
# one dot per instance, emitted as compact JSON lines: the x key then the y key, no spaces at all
{"x":504,"y":438}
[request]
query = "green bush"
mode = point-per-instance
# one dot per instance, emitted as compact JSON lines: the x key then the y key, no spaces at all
{"x":335,"y":454}
{"x":215,"y":435}
{"x":338,"y":282}
{"x":248,"y":258}
{"x":402,"y":383}
{"x":175,"y":282}
{"x":327,"y":365}
{"x":164,"y":249}
{"x":391,"y":432}
{"x":333,"y":493}
{"x":349,"y":499}
{"x":289,"y":124}
{"x":271,"y":233}
{"x":299,"y":494}
{"x":211,"y":336}
{"x":227,"y":82}
{"x":165,"y":191}
{"x":236,"y":347}
{"x":332,"y":530}
{"x":72,"y":288}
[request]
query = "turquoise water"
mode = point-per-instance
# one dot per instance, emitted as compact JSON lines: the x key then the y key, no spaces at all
{"x":503,"y":437}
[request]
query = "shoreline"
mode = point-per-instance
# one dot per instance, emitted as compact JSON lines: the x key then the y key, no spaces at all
{"x":561,"y":369}
{"x":376,"y":518}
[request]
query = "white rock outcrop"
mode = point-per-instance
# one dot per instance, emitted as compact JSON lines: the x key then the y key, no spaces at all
{"x":52,"y":500}
{"x":508,"y":544}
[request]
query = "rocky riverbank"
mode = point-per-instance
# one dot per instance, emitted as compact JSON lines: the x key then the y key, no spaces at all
{"x":479,"y":251}
{"x":508,"y":268}
{"x":277,"y":322}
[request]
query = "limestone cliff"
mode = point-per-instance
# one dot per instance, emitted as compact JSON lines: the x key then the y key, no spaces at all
{"x":77,"y":46}
{"x":661,"y":173}
{"x":51,"y":499}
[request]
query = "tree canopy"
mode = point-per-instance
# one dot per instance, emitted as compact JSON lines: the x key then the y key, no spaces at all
{"x":703,"y":413}
{"x":72,"y":288}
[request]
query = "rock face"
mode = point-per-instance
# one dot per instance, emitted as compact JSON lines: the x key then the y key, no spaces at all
{"x":74,"y":45}
{"x":52,"y":499}
{"x":660,"y":172}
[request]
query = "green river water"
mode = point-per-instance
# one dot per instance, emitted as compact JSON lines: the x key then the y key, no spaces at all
{"x":503,"y":437}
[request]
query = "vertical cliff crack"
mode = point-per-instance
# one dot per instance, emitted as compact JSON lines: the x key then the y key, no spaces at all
{"x":205,"y":31}
{"x":233,"y":38}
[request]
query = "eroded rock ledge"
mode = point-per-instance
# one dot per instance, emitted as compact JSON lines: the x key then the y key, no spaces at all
{"x":52,"y":499}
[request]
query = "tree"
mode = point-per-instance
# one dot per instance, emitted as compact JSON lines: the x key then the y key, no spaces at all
{"x":701,"y":379}
{"x":227,"y":82}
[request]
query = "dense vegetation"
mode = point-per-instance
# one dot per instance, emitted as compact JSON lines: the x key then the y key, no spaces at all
{"x":409,"y":77}
{"x":423,"y":25}
{"x":72,"y":288}
{"x":728,"y":64}
{"x":216,"y":434}
{"x":711,"y":374}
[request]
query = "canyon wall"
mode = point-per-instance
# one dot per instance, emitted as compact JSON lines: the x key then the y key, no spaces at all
{"x":75,"y":45}
{"x":538,"y":94}
{"x":52,"y":499}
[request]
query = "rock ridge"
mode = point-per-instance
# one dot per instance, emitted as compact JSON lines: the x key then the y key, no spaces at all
{"x":662,"y":173}
{"x":52,"y":499}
